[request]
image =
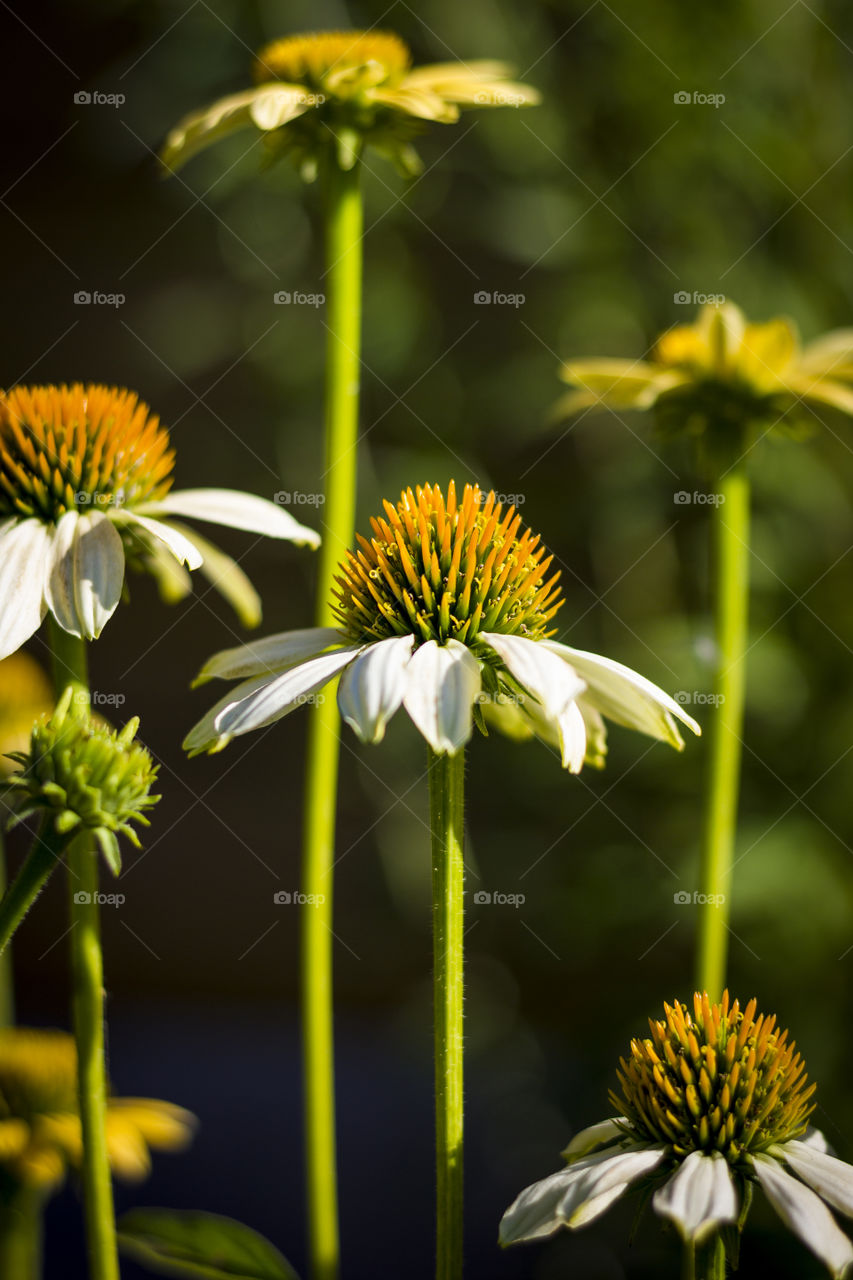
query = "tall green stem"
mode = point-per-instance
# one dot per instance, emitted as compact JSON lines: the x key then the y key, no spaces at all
{"x":21,"y":1210}
{"x":70,"y":667}
{"x":731,"y":606}
{"x":447,"y":822}
{"x":705,"y":1261}
{"x":344,"y":220}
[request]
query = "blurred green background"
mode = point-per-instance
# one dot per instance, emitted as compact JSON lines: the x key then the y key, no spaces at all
{"x":599,"y":208}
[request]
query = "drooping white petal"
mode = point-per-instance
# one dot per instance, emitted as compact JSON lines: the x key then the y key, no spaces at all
{"x":601,"y":1134}
{"x":535,"y":1213}
{"x":25,"y":547}
{"x":235,"y":510}
{"x":184,"y":551}
{"x":274,"y":106}
{"x":257,"y":703}
{"x":538,"y":670}
{"x":442,"y":682}
{"x":84,"y":580}
{"x":572,"y":730}
{"x":578,"y":1194}
{"x":830,"y":1177}
{"x":805,"y":1214}
{"x":626,"y":697}
{"x":224,"y":575}
{"x":372,"y":687}
{"x":599,"y":1176}
{"x":699,"y":1196}
{"x":268,"y":656}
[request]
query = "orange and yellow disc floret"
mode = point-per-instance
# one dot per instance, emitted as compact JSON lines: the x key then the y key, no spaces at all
{"x":335,"y":61}
{"x":720,"y":1079}
{"x":447,"y":571}
{"x":79,"y":448}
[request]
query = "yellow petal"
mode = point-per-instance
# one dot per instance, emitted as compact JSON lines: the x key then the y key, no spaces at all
{"x":615,"y":384}
{"x":831,"y":354}
{"x":419,"y":102}
{"x":14,"y":1137}
{"x":162,"y":1124}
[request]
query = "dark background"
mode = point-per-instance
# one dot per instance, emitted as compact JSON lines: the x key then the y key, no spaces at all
{"x":598,"y":207}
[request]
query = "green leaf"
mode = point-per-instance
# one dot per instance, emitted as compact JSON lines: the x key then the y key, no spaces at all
{"x":200,"y":1244}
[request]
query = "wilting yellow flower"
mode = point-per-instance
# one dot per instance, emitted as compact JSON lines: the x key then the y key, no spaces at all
{"x":25,"y":694}
{"x":723,"y":376}
{"x":341,"y":90}
{"x":713,"y":1103}
{"x":40,"y":1131}
{"x":445,"y":611}
{"x":85,"y":488}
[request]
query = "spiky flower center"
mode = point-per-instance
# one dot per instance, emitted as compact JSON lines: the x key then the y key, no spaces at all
{"x":337,"y":63}
{"x":719,"y":1079}
{"x":85,"y":774}
{"x":38,"y":1072}
{"x":79,"y":448}
{"x":446,"y":571}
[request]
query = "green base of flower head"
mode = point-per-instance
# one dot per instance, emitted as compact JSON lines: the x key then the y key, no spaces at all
{"x":83,"y":775}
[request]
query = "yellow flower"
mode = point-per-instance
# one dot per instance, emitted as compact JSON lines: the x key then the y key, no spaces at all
{"x":723,"y":376}
{"x":40,"y":1133}
{"x":25,"y":694}
{"x":341,"y":90}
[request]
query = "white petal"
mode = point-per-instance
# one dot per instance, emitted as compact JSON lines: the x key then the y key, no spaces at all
{"x":268,"y":656}
{"x":278,"y":104}
{"x":84,"y":581}
{"x":535,"y":1213}
{"x":372,"y":688}
{"x":805,"y":1214}
{"x":626,"y":697}
{"x":538,"y":670}
{"x":830,"y":1177}
{"x":572,"y":730}
{"x":223,"y":574}
{"x":259,"y":702}
{"x":24,"y":556}
{"x":600,"y":1174}
{"x":236,"y":510}
{"x":601,"y":1134}
{"x":700,"y":1196}
{"x":442,"y":682}
{"x":180,"y":546}
{"x":578,"y":1194}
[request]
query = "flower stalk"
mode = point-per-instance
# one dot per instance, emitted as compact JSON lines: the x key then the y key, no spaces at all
{"x":70,"y":666}
{"x":21,"y":1229}
{"x":447,"y":821}
{"x":344,"y":221}
{"x":705,"y":1260}
{"x":731,"y":607}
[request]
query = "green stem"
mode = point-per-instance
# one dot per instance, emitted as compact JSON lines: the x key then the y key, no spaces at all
{"x":7,"y":977}
{"x":447,"y":820}
{"x":43,"y":858}
{"x":70,"y":667}
{"x":705,"y":1261}
{"x":731,"y":550}
{"x":21,"y":1211}
{"x":344,"y":218}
